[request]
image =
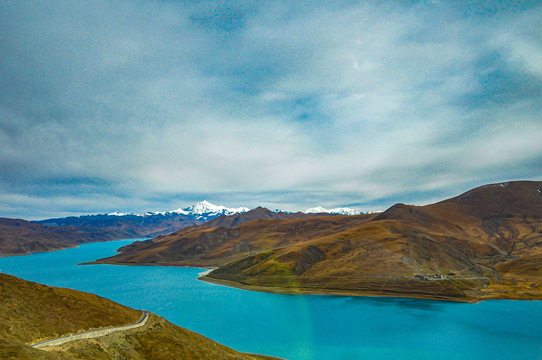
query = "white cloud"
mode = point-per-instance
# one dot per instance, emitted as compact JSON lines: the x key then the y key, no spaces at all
{"x":350,"y":103}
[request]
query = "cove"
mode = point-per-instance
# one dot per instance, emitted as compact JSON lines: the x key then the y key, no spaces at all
{"x":297,"y":326}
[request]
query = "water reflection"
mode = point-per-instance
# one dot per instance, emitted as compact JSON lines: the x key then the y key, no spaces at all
{"x":403,"y":303}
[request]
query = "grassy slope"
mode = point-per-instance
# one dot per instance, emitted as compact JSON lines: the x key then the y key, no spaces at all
{"x":215,"y":247}
{"x":489,"y":239}
{"x":31,"y":312}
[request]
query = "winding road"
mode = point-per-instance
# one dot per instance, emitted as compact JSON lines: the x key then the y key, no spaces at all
{"x":92,"y":334}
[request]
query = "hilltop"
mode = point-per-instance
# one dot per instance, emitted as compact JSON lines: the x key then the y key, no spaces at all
{"x":256,"y":214}
{"x":485,"y":243}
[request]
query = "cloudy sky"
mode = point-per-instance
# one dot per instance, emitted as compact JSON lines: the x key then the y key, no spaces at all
{"x":136,"y":105}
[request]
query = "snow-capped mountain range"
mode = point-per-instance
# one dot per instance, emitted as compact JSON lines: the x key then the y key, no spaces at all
{"x":118,"y":225}
{"x":336,"y":211}
{"x":204,"y":211}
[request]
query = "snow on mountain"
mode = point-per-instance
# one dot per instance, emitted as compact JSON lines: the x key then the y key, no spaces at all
{"x":205,"y":207}
{"x":316,"y":210}
{"x":276,"y":211}
{"x":204,"y":210}
{"x":116,"y":213}
{"x":345,"y":211}
{"x":336,"y":211}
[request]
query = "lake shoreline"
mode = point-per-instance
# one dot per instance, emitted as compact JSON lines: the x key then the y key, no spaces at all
{"x":481,"y":295}
{"x":295,"y":327}
{"x":285,"y":291}
{"x":289,"y":291}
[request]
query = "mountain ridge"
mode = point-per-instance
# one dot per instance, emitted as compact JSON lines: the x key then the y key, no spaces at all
{"x":255,"y":214}
{"x":21,"y":237}
{"x":335,"y":211}
{"x":484,"y":243}
{"x":197,"y":213}
{"x":74,"y":230}
{"x":205,"y":211}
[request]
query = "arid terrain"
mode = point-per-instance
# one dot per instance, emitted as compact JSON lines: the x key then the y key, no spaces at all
{"x":31,"y":312}
{"x":128,"y":225}
{"x":21,"y":237}
{"x":483,"y":244}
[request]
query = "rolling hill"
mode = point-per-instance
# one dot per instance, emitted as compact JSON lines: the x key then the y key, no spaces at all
{"x":32,"y":312}
{"x":485,"y":243}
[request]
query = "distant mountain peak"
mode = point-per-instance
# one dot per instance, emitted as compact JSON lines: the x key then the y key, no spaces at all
{"x":206,"y":210}
{"x":315,"y":210}
{"x":116,"y":213}
{"x":204,"y":206}
{"x":202,"y":211}
{"x":336,"y":211}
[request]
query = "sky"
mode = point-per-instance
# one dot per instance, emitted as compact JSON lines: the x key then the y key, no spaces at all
{"x":134,"y":106}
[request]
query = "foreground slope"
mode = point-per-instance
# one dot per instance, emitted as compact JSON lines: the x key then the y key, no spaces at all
{"x":485,"y":243}
{"x":32,"y":312}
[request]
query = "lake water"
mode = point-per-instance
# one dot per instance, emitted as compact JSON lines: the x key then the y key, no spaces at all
{"x":298,"y":326}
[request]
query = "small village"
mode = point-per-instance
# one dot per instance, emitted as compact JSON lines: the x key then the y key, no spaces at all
{"x":433,"y":277}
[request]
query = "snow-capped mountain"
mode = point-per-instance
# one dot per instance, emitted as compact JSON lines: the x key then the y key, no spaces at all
{"x":204,"y":210}
{"x":336,"y":211}
{"x":201,"y":211}
{"x":116,"y":213}
{"x":150,"y":224}
{"x":316,"y":210}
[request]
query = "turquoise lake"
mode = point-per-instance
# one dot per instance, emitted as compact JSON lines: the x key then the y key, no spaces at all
{"x":298,"y":326}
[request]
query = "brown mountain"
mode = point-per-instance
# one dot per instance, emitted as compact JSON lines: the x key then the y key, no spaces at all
{"x":254,"y":214}
{"x":32,"y":312}
{"x":20,"y":237}
{"x":485,"y":243}
{"x":205,"y":246}
{"x":127,"y":226}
